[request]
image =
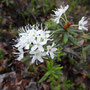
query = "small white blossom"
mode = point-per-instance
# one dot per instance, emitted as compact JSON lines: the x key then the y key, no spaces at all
{"x":59,"y":12}
{"x":37,"y":55}
{"x":83,"y":24}
{"x":38,"y":44}
{"x":44,"y":35}
{"x":51,"y":50}
{"x":20,"y":54}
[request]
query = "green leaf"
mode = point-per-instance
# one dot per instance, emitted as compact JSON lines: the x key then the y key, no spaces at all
{"x":83,"y":54}
{"x":44,"y":77}
{"x":84,"y":51}
{"x":87,"y":47}
{"x":73,"y":41}
{"x":77,"y":31}
{"x":71,"y":32}
{"x":48,"y":64}
{"x":1,"y":54}
{"x":58,"y":31}
{"x":51,"y":63}
{"x":71,"y":60}
{"x":58,"y":68}
{"x":26,"y":58}
{"x":55,"y":76}
{"x":86,"y":37}
{"x":51,"y":25}
{"x":58,"y":87}
{"x":65,"y":38}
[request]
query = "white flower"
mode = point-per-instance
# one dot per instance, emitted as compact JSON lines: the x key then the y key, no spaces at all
{"x":41,"y":39}
{"x":26,"y":38}
{"x":83,"y":24}
{"x":38,"y":44}
{"x":51,"y":50}
{"x":37,"y":56}
{"x":43,"y":34}
{"x":20,"y":54}
{"x":59,"y":12}
{"x":23,"y":42}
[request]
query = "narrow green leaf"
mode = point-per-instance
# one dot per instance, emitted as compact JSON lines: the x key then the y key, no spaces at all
{"x":48,"y":64}
{"x":58,"y":31}
{"x":26,"y":58}
{"x":65,"y":38}
{"x":86,"y":37}
{"x":73,"y":41}
{"x":44,"y":77}
{"x":55,"y":76}
{"x":71,"y":32}
{"x":51,"y":63}
{"x":83,"y":54}
{"x":84,"y":51}
{"x":87,"y":48}
{"x":58,"y":68}
{"x":77,"y":31}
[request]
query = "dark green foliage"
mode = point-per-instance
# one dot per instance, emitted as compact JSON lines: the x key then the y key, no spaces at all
{"x":1,"y":54}
{"x":53,"y":72}
{"x":80,"y":87}
{"x":51,"y":25}
{"x":73,"y":41}
{"x":66,"y":36}
{"x":66,"y":84}
{"x":83,"y":2}
{"x":84,"y":50}
{"x":27,"y":11}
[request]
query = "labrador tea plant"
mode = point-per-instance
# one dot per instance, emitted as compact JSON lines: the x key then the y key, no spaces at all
{"x":44,"y":44}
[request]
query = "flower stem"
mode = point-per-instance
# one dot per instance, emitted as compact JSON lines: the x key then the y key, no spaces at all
{"x":74,"y":25}
{"x":65,"y":17}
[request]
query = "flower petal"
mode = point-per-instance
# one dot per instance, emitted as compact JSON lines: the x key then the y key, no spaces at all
{"x":34,"y":48}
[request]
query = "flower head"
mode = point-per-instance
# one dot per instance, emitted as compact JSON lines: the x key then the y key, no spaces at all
{"x":59,"y":12}
{"x":33,"y":39}
{"x":83,"y":24}
{"x":51,"y":50}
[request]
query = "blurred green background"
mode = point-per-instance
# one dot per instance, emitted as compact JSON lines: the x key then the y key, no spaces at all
{"x":16,"y":13}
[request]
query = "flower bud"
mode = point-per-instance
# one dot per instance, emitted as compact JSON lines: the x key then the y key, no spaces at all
{"x":69,"y":24}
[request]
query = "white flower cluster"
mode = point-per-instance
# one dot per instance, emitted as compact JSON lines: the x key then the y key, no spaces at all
{"x":59,"y":12}
{"x":34,"y":39}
